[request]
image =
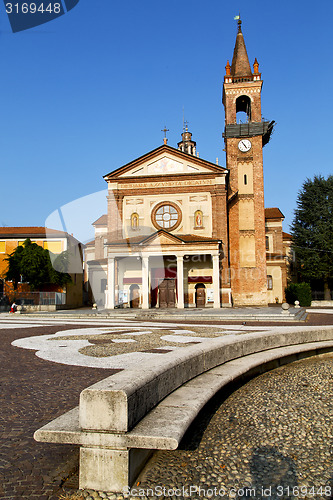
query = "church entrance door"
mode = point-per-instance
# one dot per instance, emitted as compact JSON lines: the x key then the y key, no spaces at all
{"x":200,"y":295}
{"x":167,"y":293}
{"x":134,"y":296}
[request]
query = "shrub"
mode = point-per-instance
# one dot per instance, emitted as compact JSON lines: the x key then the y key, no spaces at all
{"x":299,"y":291}
{"x":69,"y":496}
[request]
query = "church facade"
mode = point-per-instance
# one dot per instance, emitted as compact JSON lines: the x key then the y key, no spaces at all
{"x":181,"y":231}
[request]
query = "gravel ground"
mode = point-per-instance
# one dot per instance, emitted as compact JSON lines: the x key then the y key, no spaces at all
{"x":271,"y":438}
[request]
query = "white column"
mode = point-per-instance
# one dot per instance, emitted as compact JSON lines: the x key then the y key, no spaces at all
{"x":180,"y":282}
{"x":109,"y":292}
{"x":216,"y":281}
{"x":145,"y":282}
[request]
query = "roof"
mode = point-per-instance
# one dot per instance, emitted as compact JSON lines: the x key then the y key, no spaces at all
{"x":98,"y":261}
{"x":190,"y":238}
{"x":273,"y":213}
{"x":240,"y":66}
{"x":286,"y":236}
{"x":102,"y":221}
{"x":167,"y":149}
{"x":183,"y":238}
{"x":35,"y":231}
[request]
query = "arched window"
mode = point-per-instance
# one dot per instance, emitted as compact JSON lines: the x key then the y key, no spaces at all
{"x":135,"y":221}
{"x":267,"y":243}
{"x":269,"y":282}
{"x":198,"y":219}
{"x":243,"y":109}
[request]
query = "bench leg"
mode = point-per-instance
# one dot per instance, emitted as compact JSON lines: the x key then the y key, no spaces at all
{"x":103,"y":469}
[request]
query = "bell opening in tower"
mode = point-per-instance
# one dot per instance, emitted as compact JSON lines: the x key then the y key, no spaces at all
{"x":243,"y":109}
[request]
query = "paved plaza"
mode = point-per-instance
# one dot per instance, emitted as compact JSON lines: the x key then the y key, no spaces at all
{"x":275,"y":429}
{"x":124,"y":344}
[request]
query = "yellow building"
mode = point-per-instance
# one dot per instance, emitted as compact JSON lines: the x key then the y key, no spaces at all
{"x":54,"y":241}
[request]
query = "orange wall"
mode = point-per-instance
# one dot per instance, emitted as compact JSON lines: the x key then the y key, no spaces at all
{"x":11,"y":245}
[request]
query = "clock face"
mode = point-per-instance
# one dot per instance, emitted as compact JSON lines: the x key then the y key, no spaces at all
{"x":244,"y":145}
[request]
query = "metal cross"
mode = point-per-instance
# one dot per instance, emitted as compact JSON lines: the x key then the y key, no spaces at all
{"x":165,"y":130}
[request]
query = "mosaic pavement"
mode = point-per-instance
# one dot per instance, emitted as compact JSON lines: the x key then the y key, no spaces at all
{"x":124,"y":344}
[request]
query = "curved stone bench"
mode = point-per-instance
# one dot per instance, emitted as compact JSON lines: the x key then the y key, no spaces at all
{"x":122,"y":418}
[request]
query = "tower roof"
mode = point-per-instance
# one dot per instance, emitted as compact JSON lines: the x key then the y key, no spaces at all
{"x":186,"y":144}
{"x":240,"y":66}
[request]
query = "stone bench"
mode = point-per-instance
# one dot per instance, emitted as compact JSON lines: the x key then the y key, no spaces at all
{"x":123,"y":418}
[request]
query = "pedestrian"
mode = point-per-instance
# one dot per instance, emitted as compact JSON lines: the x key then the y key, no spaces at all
{"x":13,"y":307}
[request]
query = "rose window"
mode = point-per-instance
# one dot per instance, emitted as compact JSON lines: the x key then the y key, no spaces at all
{"x":166,"y":216}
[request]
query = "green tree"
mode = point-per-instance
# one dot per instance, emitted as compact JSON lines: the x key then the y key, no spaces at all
{"x":312,"y":232}
{"x":14,"y":266}
{"x":32,"y":263}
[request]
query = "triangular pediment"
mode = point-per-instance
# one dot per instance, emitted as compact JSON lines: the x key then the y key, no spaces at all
{"x":165,"y":161}
{"x":161,"y":238}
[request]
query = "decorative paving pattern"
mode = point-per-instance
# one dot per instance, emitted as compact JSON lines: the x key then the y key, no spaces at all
{"x":124,"y":344}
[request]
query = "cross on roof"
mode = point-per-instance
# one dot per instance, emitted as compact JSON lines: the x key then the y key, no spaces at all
{"x":165,"y":130}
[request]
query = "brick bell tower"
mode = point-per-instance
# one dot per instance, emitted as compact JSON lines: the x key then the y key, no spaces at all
{"x":244,"y":159}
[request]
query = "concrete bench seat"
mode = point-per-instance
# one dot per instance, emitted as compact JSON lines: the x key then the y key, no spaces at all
{"x":117,"y":433}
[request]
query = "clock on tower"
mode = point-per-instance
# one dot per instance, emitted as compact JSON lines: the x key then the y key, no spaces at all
{"x":243,"y":145}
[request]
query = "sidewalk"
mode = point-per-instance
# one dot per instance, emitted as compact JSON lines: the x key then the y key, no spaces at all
{"x":275,"y":314}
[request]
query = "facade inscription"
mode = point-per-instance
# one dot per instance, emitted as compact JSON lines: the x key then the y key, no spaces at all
{"x":152,"y":185}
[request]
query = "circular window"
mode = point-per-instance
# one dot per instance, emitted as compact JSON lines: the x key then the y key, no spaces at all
{"x":166,"y":216}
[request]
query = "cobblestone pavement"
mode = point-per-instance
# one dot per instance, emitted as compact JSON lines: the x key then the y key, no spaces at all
{"x":33,"y":392}
{"x":274,"y":431}
{"x":272,"y":438}
{"x":278,"y":422}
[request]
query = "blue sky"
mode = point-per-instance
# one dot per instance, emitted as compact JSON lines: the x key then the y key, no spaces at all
{"x":91,"y":90}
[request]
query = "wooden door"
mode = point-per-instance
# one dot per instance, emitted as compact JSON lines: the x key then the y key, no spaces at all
{"x":163,"y":294}
{"x":200,"y":297}
{"x":135,"y":297}
{"x":171,"y":292}
{"x":167,"y":293}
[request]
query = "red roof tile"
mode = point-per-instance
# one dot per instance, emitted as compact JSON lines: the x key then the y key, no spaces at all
{"x":33,"y":231}
{"x":273,"y":213}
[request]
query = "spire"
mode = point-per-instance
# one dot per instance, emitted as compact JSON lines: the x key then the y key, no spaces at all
{"x":227,"y":69}
{"x":240,"y":67}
